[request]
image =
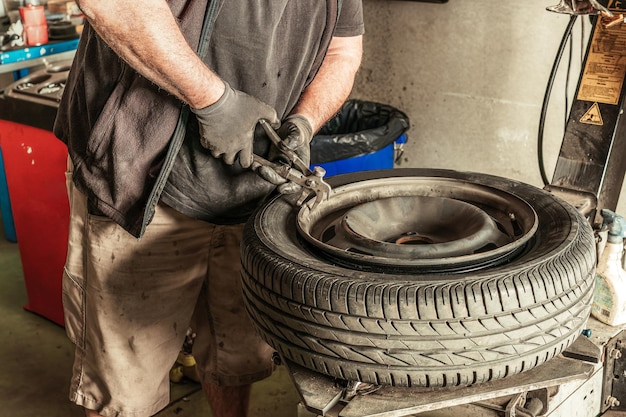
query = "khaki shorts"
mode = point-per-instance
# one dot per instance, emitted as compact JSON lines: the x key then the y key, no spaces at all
{"x":128,"y":304}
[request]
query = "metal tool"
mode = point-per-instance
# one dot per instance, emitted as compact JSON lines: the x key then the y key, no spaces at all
{"x":580,"y":7}
{"x":311,"y":181}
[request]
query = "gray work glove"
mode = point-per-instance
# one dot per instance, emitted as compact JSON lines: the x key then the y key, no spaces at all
{"x":227,"y":126}
{"x":297,"y":133}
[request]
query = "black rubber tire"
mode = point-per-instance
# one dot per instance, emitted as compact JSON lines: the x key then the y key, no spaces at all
{"x":421,"y":330}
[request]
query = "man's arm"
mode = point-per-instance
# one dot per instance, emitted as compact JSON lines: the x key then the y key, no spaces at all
{"x":333,"y":83}
{"x":145,"y":34}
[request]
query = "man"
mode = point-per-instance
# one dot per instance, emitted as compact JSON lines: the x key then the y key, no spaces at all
{"x":160,"y":116}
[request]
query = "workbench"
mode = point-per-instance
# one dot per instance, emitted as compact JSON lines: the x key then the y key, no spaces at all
{"x":17,"y":60}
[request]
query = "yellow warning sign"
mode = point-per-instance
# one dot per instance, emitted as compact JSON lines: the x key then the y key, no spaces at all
{"x":592,"y":116}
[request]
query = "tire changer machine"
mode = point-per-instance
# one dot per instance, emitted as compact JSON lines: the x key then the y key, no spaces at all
{"x":589,"y":378}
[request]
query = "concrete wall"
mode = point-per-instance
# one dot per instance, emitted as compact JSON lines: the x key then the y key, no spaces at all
{"x":471,"y":75}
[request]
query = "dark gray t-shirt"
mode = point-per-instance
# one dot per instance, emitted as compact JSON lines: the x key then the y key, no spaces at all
{"x":270,"y":49}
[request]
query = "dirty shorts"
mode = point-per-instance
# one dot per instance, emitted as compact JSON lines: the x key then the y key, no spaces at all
{"x":128,"y":304}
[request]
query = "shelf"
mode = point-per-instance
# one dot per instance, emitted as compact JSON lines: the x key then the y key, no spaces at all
{"x":17,"y":59}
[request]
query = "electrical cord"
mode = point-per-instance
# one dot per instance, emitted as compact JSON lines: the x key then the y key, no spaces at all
{"x":567,"y":76}
{"x":546,"y":98}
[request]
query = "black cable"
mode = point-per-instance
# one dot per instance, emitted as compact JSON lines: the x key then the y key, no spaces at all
{"x":546,"y":98}
{"x":567,"y":76}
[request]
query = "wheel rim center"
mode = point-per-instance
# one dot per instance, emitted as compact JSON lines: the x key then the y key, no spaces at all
{"x":412,"y":227}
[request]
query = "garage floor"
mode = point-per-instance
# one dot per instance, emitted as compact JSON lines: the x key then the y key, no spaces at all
{"x":37,"y":358}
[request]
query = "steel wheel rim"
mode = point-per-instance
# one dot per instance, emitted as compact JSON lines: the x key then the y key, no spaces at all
{"x":338,"y":228}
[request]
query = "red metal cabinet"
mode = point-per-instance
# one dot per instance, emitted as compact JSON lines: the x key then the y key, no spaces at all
{"x":35,"y":163}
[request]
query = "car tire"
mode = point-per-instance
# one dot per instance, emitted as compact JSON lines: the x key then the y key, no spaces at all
{"x":420,"y":329}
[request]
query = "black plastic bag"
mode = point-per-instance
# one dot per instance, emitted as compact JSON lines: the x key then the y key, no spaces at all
{"x":359,"y":128}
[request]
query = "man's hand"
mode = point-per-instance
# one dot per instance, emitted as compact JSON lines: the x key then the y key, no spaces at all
{"x":296,"y":134}
{"x":271,"y":176}
{"x":296,"y":131}
{"x":227,"y":126}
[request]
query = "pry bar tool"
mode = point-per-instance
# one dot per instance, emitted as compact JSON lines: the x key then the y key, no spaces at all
{"x":311,"y":181}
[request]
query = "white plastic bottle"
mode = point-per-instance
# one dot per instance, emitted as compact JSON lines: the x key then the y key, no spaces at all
{"x":609,"y":302}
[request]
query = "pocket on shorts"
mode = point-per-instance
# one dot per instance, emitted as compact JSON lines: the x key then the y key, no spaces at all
{"x":74,"y":308}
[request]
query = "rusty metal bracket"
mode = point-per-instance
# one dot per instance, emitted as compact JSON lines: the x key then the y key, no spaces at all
{"x":583,"y":349}
{"x":614,"y":386}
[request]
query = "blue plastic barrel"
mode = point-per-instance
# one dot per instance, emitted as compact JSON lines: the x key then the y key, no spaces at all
{"x":382,"y":159}
{"x":362,"y":136}
{"x":5,"y":205}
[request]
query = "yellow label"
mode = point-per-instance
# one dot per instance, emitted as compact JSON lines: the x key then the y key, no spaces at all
{"x":605,"y":67}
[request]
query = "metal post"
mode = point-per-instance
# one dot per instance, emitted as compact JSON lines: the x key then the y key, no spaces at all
{"x":590,"y":168}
